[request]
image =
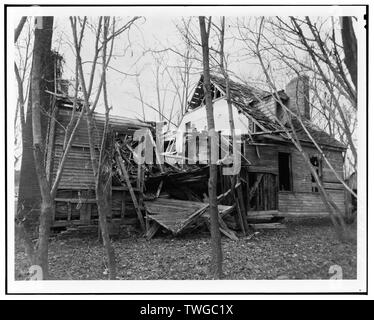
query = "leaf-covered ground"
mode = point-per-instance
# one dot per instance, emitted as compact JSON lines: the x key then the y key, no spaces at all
{"x":306,"y":249}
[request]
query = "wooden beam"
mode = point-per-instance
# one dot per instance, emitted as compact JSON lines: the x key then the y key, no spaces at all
{"x":75,"y":200}
{"x":242,"y":208}
{"x":152,"y":230}
{"x":268,"y":132}
{"x":129,"y":186}
{"x":158,"y":158}
{"x":140,"y":184}
{"x":159,"y":188}
{"x":229,"y":233}
{"x":255,"y":186}
{"x":227,"y":211}
{"x":225,"y":229}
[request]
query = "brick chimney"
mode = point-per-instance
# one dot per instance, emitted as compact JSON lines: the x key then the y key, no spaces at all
{"x":298,"y":92}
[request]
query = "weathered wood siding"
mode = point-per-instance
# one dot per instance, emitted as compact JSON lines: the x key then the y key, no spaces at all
{"x":337,"y":161}
{"x":76,"y":193}
{"x":301,"y":198}
{"x":77,"y":172}
{"x":299,"y":203}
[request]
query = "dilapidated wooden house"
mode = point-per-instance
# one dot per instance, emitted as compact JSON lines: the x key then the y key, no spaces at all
{"x":131,"y":184}
{"x":275,"y":178}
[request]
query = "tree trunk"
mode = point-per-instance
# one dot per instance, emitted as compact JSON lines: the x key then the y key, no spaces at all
{"x":350,"y":47}
{"x":104,"y":193}
{"x":42,"y":47}
{"x":213,"y":208}
{"x":102,"y":172}
{"x":242,"y":216}
{"x":104,"y":208}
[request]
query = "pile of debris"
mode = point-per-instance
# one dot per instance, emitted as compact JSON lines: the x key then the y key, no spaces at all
{"x":180,"y":181}
{"x":171,"y":196}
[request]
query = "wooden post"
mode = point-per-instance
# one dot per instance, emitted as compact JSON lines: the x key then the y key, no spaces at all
{"x":140,"y":185}
{"x":252,"y":191}
{"x":242,"y":207}
{"x":159,"y":188}
{"x":129,"y":186}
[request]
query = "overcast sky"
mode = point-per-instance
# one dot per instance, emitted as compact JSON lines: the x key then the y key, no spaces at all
{"x":155,"y":32}
{"x":133,"y":56}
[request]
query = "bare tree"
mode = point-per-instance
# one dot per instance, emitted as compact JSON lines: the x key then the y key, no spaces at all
{"x":299,"y":45}
{"x":350,"y":47}
{"x":21,"y":70}
{"x":172,"y":79}
{"x":290,"y":131}
{"x":38,"y":254}
{"x":106,"y":32}
{"x":223,"y":66}
{"x":217,"y":255}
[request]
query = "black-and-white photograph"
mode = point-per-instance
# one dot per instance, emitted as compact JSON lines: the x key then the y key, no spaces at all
{"x":186,"y":143}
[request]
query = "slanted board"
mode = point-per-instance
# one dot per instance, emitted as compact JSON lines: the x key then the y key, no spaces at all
{"x":176,"y":215}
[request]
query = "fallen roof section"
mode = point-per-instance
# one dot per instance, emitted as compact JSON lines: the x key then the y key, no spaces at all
{"x":175,"y":215}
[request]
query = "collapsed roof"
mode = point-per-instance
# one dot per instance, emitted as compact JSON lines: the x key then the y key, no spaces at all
{"x":247,"y":99}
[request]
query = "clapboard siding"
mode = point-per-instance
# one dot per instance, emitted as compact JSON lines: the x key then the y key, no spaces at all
{"x":336,"y":160}
{"x":76,"y":188}
{"x":307,"y":202}
{"x":77,"y":169}
{"x":265,"y":159}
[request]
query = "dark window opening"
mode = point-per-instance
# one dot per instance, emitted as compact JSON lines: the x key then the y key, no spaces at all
{"x":284,"y":165}
{"x":317,"y":164}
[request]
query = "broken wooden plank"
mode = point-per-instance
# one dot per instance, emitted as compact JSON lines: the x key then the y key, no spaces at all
{"x":152,"y":230}
{"x":275,"y":225}
{"x":159,"y":188}
{"x":225,"y":229}
{"x":192,"y":218}
{"x":176,"y":215}
{"x":201,"y":211}
{"x":222,"y":227}
{"x":129,"y":186}
{"x":158,"y":158}
{"x":227,"y":210}
{"x":229,"y":233}
{"x":242,"y":208}
{"x":255,"y":186}
{"x":140,"y":185}
{"x":76,"y":200}
{"x":264,"y":213}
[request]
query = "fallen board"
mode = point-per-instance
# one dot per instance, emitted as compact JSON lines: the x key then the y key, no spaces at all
{"x":275,"y":225}
{"x":176,"y":215}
